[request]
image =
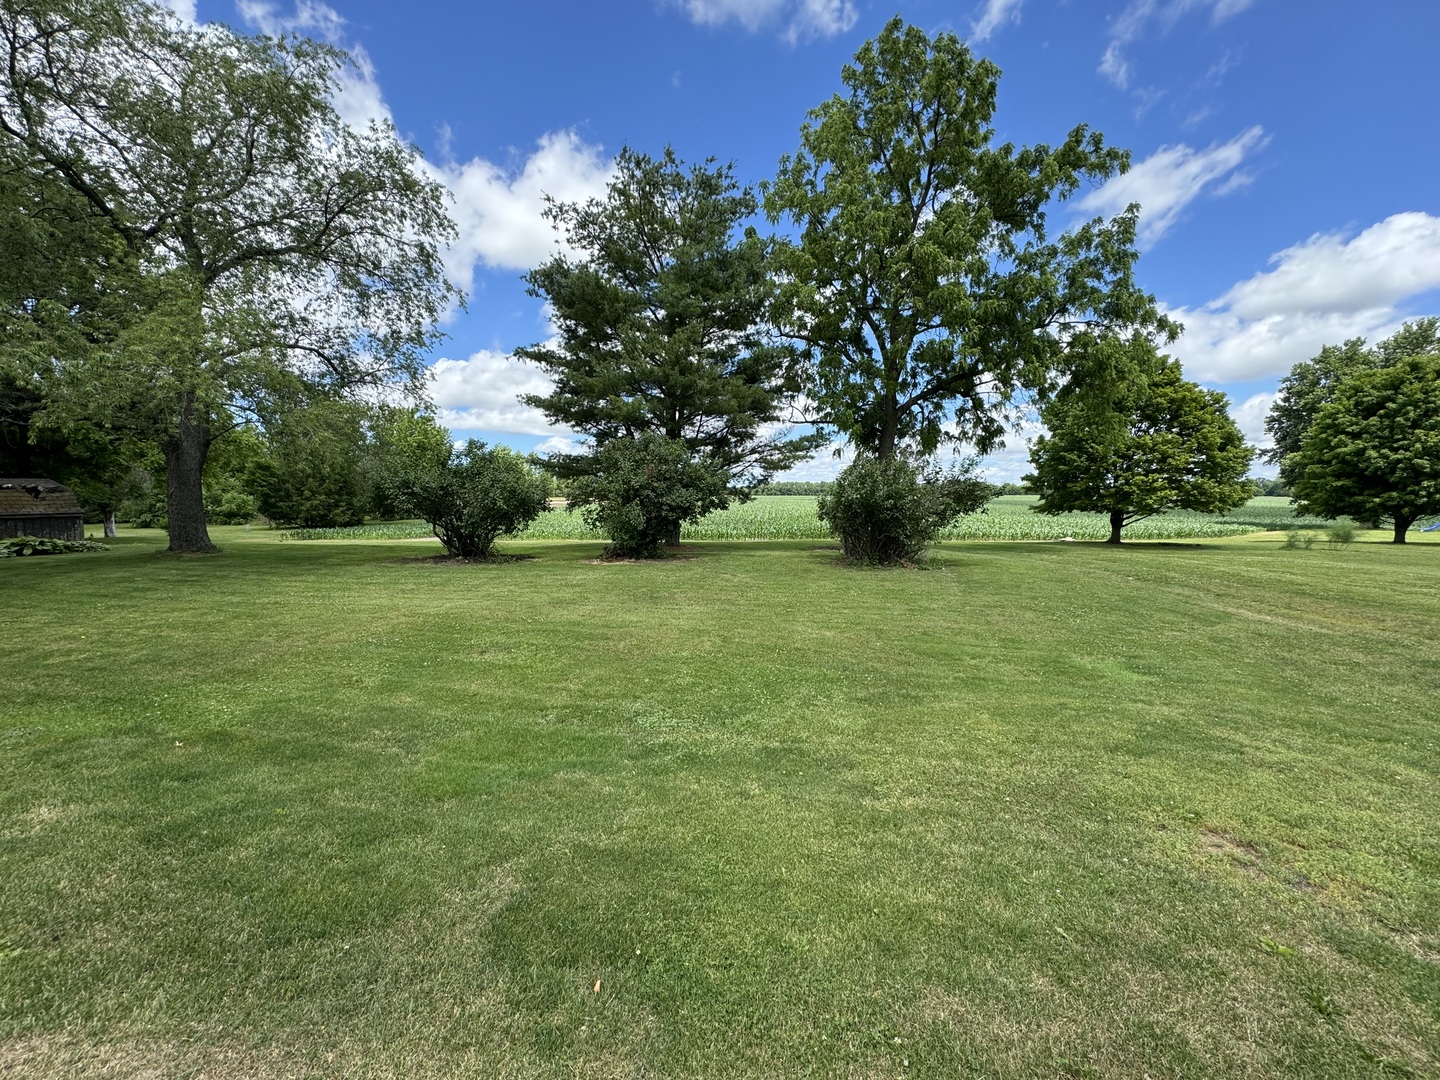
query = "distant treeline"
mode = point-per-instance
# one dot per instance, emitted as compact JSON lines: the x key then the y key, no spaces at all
{"x":795,"y":487}
{"x":1266,"y":486}
{"x":820,"y":487}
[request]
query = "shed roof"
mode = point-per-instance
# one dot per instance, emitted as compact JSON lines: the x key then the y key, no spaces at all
{"x":25,"y":496}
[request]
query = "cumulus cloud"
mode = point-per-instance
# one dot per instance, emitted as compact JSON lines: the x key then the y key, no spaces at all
{"x":1249,"y":416}
{"x":498,"y":211}
{"x":358,"y":99}
{"x":558,"y":444}
{"x":995,"y":15}
{"x":824,"y":464}
{"x":184,"y":8}
{"x":1173,"y":177}
{"x":497,"y":208}
{"x":1132,"y":23}
{"x":1329,"y":288}
{"x":796,"y":20}
{"x":481,"y":392}
{"x":1397,"y":258}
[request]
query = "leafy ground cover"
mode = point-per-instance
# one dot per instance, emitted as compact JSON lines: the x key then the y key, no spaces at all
{"x":792,"y":517}
{"x":1039,"y":810}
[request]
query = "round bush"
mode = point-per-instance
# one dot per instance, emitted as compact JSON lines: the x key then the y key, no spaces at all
{"x":473,"y":497}
{"x":639,"y":491}
{"x":888,"y":512}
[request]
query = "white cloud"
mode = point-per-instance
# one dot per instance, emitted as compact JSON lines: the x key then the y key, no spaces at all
{"x":1394,"y":259}
{"x":1220,"y":346}
{"x":184,"y":8}
{"x":823,"y":464}
{"x":557,"y":444}
{"x":1166,"y":182}
{"x":313,"y":18}
{"x":1131,"y":24}
{"x":1225,"y":8}
{"x":996,"y":14}
{"x":1320,"y":292}
{"x":1250,"y":415}
{"x":1005,"y":464}
{"x":498,"y":211}
{"x":480,"y":393}
{"x":358,"y":99}
{"x":797,"y":20}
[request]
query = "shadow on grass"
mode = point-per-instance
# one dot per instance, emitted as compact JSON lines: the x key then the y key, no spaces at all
{"x":458,"y":560}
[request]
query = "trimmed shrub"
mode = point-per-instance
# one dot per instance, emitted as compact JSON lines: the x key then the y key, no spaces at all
{"x":887,"y":512}
{"x":472,"y":497}
{"x":639,"y":491}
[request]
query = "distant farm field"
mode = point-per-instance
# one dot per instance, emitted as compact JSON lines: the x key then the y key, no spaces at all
{"x":792,"y":517}
{"x":1037,"y":810}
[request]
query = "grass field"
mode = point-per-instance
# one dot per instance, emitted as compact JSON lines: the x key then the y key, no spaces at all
{"x":792,"y":517}
{"x":1040,"y":810}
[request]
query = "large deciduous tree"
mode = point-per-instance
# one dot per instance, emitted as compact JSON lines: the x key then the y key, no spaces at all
{"x":1312,"y":384}
{"x":274,"y":246}
{"x":660,"y":324}
{"x":924,"y":281}
{"x":1373,"y":451}
{"x":1166,"y":444}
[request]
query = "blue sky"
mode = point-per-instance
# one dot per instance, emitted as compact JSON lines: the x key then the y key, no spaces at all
{"x":1285,"y":155}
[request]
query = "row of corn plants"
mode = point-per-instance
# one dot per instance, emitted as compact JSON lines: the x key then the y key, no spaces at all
{"x":792,"y":517}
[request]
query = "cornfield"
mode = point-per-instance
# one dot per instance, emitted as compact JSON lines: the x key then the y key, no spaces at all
{"x":792,"y":517}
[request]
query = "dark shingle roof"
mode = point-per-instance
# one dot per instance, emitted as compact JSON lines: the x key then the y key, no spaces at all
{"x":21,"y":496}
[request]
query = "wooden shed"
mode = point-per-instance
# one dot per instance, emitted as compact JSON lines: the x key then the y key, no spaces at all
{"x":34,"y":507}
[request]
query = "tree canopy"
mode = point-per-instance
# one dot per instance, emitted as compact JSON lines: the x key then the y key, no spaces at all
{"x":660,"y":322}
{"x":924,"y":284}
{"x":311,"y":471}
{"x":1373,"y":450}
{"x":270,"y":245}
{"x":1312,"y":384}
{"x":1170,"y":445}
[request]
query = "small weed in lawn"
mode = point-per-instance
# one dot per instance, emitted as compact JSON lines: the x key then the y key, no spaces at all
{"x":1341,"y":534}
{"x":1322,"y":1003}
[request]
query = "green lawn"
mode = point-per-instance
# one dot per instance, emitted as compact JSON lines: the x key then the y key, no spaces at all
{"x":1041,"y":810}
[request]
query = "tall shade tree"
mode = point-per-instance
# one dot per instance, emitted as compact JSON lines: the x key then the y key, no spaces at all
{"x":278,"y":248}
{"x":1373,"y":451}
{"x":924,"y":282}
{"x":660,"y":323}
{"x":1312,"y":384}
{"x":1167,"y":444}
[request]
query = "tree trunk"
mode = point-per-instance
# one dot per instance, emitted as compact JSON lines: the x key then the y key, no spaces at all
{"x":1117,"y":522}
{"x":109,"y":523}
{"x":1402,"y":526}
{"x":673,"y":538}
{"x":889,"y":434}
{"x":185,"y":454}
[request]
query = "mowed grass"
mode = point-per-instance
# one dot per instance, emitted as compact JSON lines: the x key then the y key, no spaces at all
{"x":1040,"y":810}
{"x":793,"y":517}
